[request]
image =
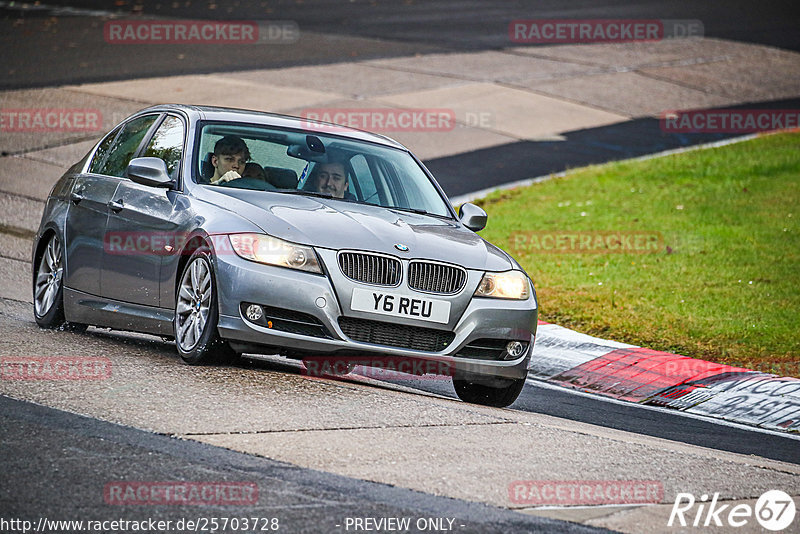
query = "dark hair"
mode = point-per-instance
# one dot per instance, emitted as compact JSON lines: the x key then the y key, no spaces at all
{"x":319,"y":165}
{"x":252,"y":165}
{"x":311,"y":182}
{"x":230,"y":145}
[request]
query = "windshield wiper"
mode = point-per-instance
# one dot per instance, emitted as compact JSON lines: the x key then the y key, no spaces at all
{"x":312,"y":194}
{"x":423,"y":212}
{"x":418,"y":211}
{"x":301,"y":192}
{"x":412,"y":210}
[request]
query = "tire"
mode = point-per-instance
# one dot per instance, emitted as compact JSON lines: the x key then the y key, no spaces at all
{"x":48,"y":289}
{"x":197,"y":314}
{"x":500,"y":392}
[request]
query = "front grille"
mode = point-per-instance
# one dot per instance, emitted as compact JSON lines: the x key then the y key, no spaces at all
{"x":436,"y":277}
{"x":396,"y":335}
{"x":370,"y":268}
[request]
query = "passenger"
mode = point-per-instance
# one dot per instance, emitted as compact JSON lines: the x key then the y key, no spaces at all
{"x":254,"y":170}
{"x":230,"y":155}
{"x":329,"y":179}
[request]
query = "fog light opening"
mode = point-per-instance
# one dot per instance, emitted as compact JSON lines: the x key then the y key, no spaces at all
{"x":515,"y":349}
{"x":254,"y":312}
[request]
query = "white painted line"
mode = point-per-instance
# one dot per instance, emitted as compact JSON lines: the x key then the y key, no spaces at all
{"x":764,"y":400}
{"x":586,"y":507}
{"x":58,"y":10}
{"x":572,"y":336}
{"x":558,"y":349}
{"x":547,"y":385}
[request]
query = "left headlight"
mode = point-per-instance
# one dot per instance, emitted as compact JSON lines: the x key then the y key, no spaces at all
{"x":273,"y":251}
{"x":505,"y":285}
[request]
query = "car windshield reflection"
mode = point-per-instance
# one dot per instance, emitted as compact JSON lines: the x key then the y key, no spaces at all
{"x":244,"y":156}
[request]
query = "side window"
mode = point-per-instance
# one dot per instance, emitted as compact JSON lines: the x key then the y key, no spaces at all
{"x":167,"y":144}
{"x":102,"y":151}
{"x":124,"y":146}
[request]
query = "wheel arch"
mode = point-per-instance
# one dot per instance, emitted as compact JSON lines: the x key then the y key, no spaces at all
{"x":41,"y":244}
{"x":193,"y":243}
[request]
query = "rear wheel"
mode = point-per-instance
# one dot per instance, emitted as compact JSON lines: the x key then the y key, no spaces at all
{"x":497,"y":392}
{"x":197,"y":314}
{"x":48,"y":289}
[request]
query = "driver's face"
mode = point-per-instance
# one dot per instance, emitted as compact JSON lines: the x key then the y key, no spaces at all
{"x":228,"y":162}
{"x":331,"y":179}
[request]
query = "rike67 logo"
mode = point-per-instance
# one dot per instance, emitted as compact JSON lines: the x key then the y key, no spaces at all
{"x":775,"y":511}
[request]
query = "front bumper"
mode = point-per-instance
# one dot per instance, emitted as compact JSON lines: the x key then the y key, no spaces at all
{"x":239,"y":281}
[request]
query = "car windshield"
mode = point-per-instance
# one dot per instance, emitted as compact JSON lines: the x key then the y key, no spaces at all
{"x":315,"y":164}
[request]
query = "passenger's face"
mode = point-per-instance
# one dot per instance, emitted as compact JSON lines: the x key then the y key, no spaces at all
{"x":228,"y":162}
{"x":253,"y":171}
{"x":331,"y":179}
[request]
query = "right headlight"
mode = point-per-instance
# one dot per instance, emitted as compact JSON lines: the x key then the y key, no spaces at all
{"x":273,"y":251}
{"x":505,"y":285}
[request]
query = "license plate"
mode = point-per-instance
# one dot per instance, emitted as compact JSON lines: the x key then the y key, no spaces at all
{"x":434,"y":310}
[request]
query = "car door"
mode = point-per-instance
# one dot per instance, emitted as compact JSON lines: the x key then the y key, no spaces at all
{"x":141,"y":226}
{"x":85,"y":223}
{"x":90,"y":196}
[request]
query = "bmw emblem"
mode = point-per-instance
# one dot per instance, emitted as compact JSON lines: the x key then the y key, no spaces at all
{"x":401,"y":247}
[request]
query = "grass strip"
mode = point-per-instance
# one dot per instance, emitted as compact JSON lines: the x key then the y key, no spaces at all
{"x":695,"y":253}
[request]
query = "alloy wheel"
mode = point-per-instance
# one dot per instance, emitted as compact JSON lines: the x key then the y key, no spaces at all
{"x":194,"y":303}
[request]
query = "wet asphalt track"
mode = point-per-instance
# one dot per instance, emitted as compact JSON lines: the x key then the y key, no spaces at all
{"x":64,"y":476}
{"x":664,"y":423}
{"x":52,"y":53}
{"x":77,"y":455}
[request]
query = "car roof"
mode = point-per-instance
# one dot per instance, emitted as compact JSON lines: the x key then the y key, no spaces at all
{"x":213,"y":113}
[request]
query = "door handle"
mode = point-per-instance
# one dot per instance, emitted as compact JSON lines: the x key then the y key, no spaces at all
{"x":116,"y":205}
{"x":76,"y":196}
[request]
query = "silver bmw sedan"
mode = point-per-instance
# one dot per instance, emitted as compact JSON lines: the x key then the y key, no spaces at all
{"x":235,"y":232}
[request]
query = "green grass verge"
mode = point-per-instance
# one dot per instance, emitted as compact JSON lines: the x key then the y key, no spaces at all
{"x":723,"y":285}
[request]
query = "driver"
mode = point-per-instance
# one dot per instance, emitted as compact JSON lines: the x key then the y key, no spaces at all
{"x":330,"y":179}
{"x":230,"y":155}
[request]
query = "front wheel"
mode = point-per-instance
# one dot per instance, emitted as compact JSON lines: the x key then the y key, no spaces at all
{"x":499,"y":392}
{"x":197,"y":315}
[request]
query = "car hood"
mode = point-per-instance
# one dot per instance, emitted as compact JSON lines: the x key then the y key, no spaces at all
{"x":337,"y":225}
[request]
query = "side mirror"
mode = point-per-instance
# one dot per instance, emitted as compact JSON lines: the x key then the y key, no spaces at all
{"x":472,"y":216}
{"x":149,"y":171}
